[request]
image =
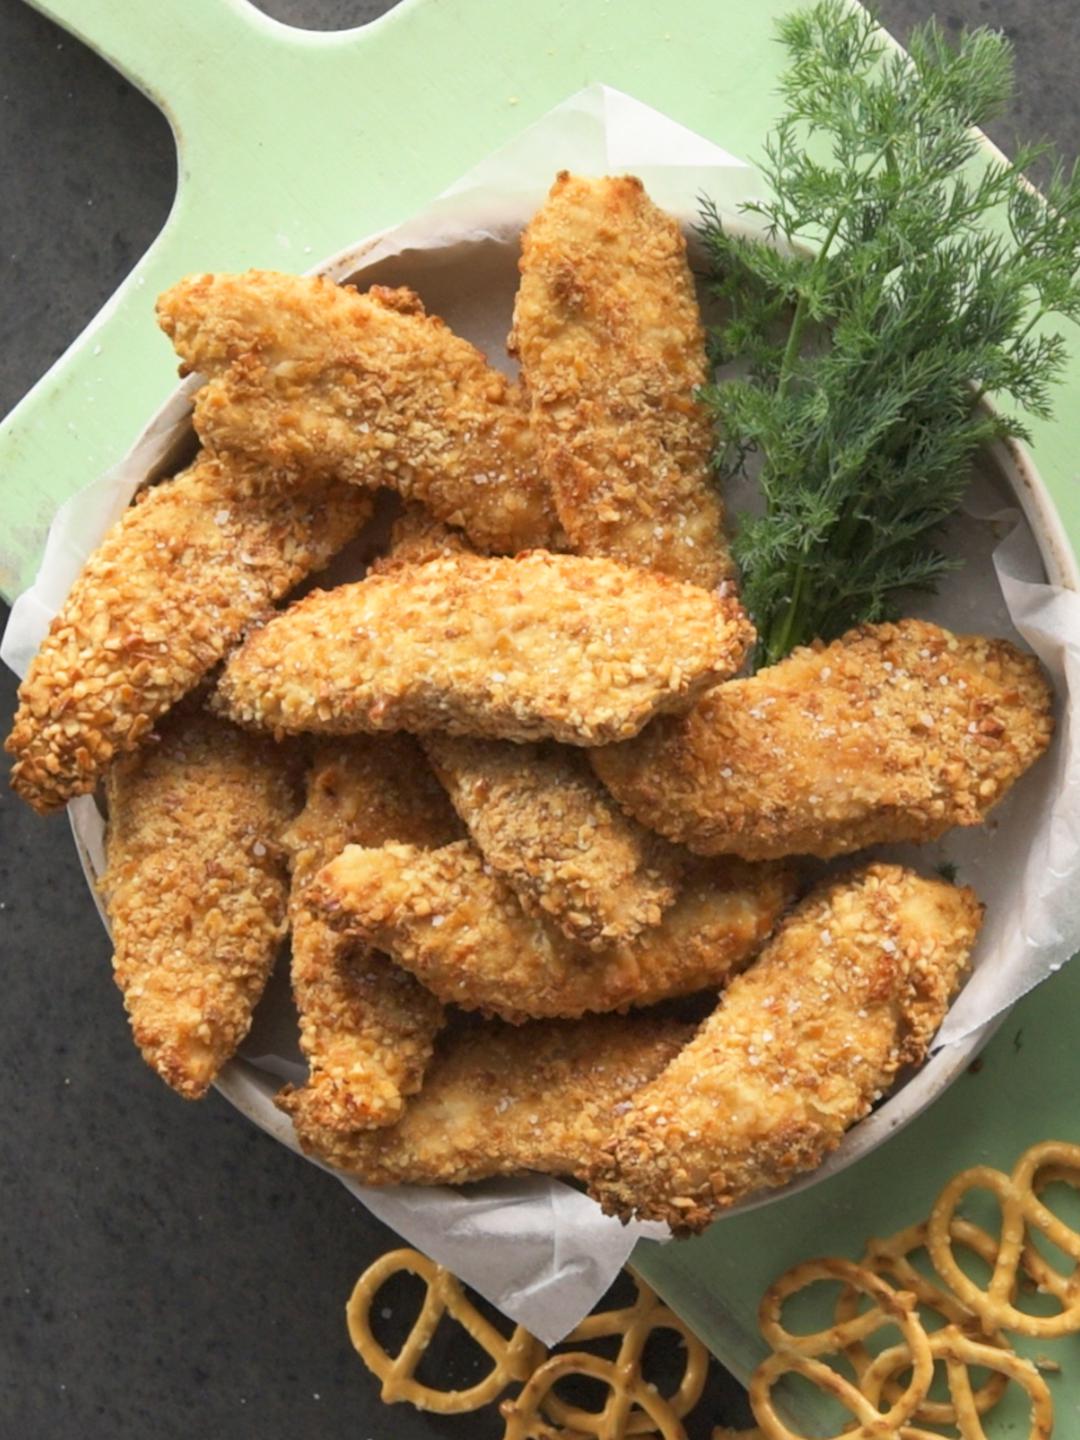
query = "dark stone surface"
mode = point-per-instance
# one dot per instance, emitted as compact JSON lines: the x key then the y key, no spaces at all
{"x":165,"y":1269}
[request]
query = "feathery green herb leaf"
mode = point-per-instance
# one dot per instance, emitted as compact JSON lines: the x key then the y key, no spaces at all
{"x":885,"y":308}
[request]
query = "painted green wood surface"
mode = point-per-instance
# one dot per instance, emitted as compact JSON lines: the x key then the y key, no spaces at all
{"x":291,"y":145}
{"x":294,"y":143}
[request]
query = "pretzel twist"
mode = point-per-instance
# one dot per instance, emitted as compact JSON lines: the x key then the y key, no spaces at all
{"x":519,"y":1357}
{"x":635,"y":1323}
{"x":889,"y":1260}
{"x":960,"y":1354}
{"x":513,"y":1359}
{"x":800,"y":1354}
{"x":1022,"y":1212}
{"x":525,"y":1416}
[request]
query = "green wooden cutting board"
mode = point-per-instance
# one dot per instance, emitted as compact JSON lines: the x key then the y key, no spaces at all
{"x":293,"y":144}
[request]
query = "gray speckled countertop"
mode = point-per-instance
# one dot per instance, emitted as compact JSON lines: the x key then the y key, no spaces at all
{"x":165,"y":1269}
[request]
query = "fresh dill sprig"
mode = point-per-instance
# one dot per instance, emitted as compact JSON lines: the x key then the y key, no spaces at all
{"x":902,"y":285}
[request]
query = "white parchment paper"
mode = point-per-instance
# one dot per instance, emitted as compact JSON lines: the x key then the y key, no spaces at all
{"x":538,"y":1249}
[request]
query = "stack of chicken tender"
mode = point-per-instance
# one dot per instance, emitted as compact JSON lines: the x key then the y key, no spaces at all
{"x":536,"y":845}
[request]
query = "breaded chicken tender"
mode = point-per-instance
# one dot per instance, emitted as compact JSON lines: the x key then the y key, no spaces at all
{"x":893,"y":732}
{"x":461,"y":930}
{"x":196,"y":887}
{"x":171,"y":588}
{"x":415,"y":538}
{"x":612,"y":350}
{"x":852,"y":987}
{"x":499,"y":1100}
{"x":312,"y":378}
{"x":367,"y":1028}
{"x":541,"y":646}
{"x":541,"y":818}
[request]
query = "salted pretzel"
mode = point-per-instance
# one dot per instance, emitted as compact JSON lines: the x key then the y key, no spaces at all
{"x":513,"y":1359}
{"x":889,"y":1259}
{"x":525,"y":1416}
{"x":634,"y":1323}
{"x":800,"y":1353}
{"x":521,"y":1356}
{"x":960,"y":1354}
{"x":1022,"y":1215}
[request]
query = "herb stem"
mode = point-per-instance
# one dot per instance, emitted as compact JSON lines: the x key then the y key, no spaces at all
{"x":791,"y":349}
{"x":778,"y":644}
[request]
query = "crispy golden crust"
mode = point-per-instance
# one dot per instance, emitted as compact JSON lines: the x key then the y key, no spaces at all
{"x":460,"y":929}
{"x":541,"y":646}
{"x":415,"y":538}
{"x":170,"y":589}
{"x":612,"y":349}
{"x":309,"y":377}
{"x":893,"y":732}
{"x":502,"y":1101}
{"x":368,"y":790}
{"x":196,"y":887}
{"x":853,"y":986}
{"x":541,"y":818}
{"x":367,"y":1027}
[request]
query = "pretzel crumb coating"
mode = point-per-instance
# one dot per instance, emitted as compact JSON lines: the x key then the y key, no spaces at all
{"x":172,"y":587}
{"x":541,"y":818}
{"x":540,"y":646}
{"x":500,"y":1100}
{"x":415,"y":538}
{"x":461,"y":930}
{"x":196,"y":887}
{"x":612,"y":350}
{"x":367,"y":1027}
{"x":891,"y":733}
{"x":310,"y":377}
{"x":852,"y":987}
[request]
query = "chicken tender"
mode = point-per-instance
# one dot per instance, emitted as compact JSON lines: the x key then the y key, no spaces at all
{"x":196,"y":887}
{"x":852,"y":987}
{"x":312,"y":378}
{"x":612,"y":350}
{"x":503,"y":1101}
{"x":367,"y":1028}
{"x":541,"y":646}
{"x":541,"y":818}
{"x":892,"y":732}
{"x":169,"y":591}
{"x":415,"y":538}
{"x":460,"y":929}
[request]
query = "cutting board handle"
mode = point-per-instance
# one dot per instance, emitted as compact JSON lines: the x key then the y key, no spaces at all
{"x":237,"y":89}
{"x":168,"y":47}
